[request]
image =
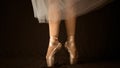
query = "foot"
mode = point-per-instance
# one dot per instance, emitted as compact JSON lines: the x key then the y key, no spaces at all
{"x":70,"y":46}
{"x":52,"y":49}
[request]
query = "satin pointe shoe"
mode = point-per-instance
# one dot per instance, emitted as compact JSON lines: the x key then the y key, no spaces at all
{"x":52,"y":49}
{"x":71,"y":48}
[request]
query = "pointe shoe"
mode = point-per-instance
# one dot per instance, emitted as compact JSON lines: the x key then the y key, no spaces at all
{"x":52,"y":49}
{"x":71,"y":48}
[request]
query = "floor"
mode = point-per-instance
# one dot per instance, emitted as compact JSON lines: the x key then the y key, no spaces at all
{"x":30,"y":62}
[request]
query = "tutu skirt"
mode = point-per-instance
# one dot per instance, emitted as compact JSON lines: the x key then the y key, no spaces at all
{"x":40,"y":7}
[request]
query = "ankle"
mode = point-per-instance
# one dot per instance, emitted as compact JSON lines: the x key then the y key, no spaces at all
{"x":71,"y":38}
{"x":53,"y":40}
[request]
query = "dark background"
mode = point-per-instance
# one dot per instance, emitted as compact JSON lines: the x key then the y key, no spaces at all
{"x":24,"y":42}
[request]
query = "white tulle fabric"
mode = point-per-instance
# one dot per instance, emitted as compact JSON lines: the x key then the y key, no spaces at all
{"x":40,"y":7}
